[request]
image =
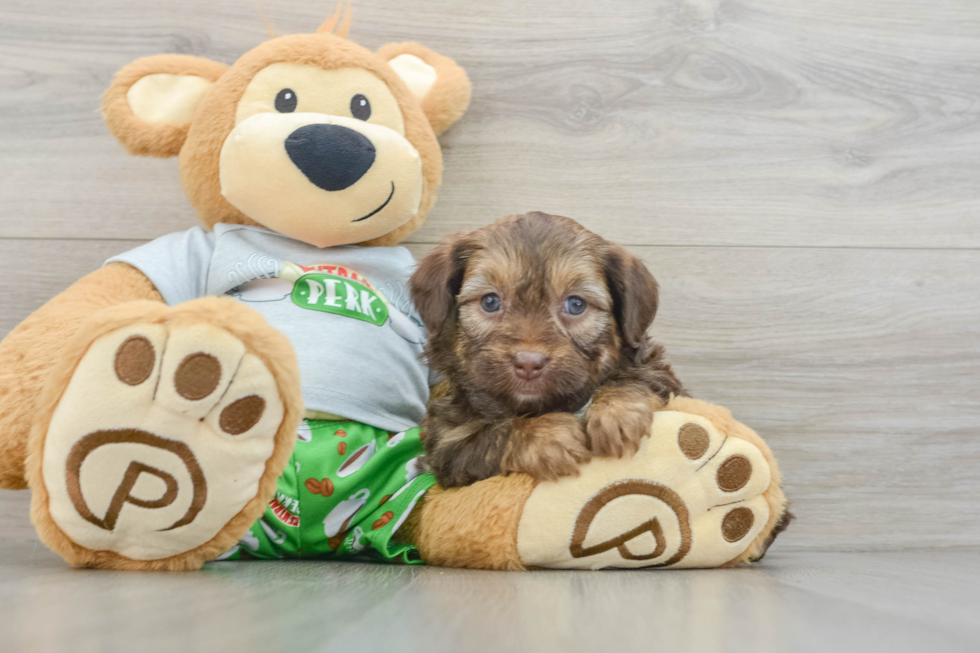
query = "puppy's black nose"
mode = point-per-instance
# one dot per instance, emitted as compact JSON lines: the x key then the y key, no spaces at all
{"x":528,"y":364}
{"x":331,"y":156}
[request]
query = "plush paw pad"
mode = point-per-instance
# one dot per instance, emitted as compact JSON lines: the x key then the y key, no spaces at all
{"x":161,"y":436}
{"x":690,"y":497}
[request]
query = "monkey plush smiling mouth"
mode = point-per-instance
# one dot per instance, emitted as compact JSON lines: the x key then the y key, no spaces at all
{"x":532,"y":321}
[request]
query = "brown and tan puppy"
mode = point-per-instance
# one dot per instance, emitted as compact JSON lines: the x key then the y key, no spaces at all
{"x":533,"y":321}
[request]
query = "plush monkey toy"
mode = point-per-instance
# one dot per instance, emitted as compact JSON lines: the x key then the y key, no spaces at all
{"x":252,"y":389}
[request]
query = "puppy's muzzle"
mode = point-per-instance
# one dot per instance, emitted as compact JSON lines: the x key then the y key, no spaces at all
{"x":332,"y":157}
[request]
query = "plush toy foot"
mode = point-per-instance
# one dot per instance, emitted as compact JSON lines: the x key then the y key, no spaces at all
{"x":691,"y":497}
{"x":703,"y":491}
{"x":167,"y":431}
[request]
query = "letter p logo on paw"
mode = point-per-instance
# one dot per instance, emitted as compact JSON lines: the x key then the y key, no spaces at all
{"x":691,"y":497}
{"x":123,"y":494}
{"x":162,"y":435}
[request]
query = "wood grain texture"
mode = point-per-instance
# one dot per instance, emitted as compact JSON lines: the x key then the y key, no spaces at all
{"x":692,"y":122}
{"x":34,"y":271}
{"x":805,"y":602}
{"x":801,"y":176}
{"x":859,"y":367}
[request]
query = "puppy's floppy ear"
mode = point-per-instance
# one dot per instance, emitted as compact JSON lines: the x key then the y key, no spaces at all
{"x":438,"y":82}
{"x":438,"y":279}
{"x":151,"y":102}
{"x":634,"y":292}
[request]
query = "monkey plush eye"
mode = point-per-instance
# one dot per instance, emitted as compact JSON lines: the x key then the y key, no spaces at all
{"x":286,"y":101}
{"x":360,"y":108}
{"x":575,"y":305}
{"x":490,"y":303}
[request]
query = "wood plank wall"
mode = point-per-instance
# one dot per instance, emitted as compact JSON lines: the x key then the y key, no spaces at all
{"x":802,"y":176}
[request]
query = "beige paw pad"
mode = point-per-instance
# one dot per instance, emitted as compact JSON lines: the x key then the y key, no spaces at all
{"x":160,"y":438}
{"x":198,"y":366}
{"x":691,"y":497}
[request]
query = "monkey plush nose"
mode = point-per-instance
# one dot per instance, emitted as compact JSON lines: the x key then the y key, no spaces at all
{"x":528,"y":364}
{"x":333,"y":157}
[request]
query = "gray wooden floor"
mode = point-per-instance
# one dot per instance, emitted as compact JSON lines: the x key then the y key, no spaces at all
{"x":798,"y":601}
{"x":802,"y":176}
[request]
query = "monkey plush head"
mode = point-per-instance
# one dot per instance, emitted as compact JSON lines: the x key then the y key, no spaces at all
{"x":309,"y":135}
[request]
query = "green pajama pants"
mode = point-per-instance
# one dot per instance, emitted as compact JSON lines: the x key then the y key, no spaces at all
{"x":345,"y":492}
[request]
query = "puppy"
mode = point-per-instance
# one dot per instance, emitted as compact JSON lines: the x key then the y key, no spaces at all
{"x":539,"y":328}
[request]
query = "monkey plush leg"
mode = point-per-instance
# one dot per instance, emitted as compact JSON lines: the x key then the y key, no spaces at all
{"x":161,"y":432}
{"x":703,"y":491}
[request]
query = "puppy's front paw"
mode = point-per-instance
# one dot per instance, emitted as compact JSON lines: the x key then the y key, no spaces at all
{"x":617,"y":421}
{"x":547,"y":447}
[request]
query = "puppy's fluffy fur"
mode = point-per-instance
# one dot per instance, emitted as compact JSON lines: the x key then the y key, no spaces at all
{"x":530,"y":319}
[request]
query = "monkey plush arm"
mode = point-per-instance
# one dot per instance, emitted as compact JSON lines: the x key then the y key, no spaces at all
{"x":29,"y":351}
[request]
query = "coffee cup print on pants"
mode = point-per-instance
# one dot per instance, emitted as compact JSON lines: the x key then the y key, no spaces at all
{"x":343,"y":513}
{"x":277,"y":537}
{"x":395,"y":438}
{"x":357,"y":545}
{"x":408,"y":510}
{"x":303,"y":432}
{"x":357,"y":459}
{"x":412,"y":469}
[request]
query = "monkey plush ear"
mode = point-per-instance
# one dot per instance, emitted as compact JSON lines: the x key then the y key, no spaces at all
{"x":438,"y":82}
{"x":151,"y":102}
{"x":438,"y":279}
{"x":634,"y":292}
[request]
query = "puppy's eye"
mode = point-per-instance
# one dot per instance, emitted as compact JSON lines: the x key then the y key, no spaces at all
{"x":575,"y":305}
{"x":286,"y":101}
{"x":360,"y":108}
{"x":490,"y":303}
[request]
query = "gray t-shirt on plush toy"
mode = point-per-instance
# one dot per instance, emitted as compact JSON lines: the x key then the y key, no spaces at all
{"x":346,"y":310}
